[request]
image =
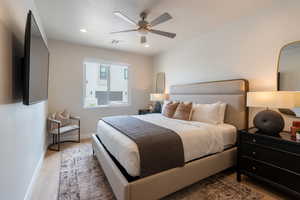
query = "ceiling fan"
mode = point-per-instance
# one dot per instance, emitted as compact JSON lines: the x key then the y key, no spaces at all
{"x":144,"y":27}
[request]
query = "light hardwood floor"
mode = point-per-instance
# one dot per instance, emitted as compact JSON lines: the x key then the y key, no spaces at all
{"x":46,"y":186}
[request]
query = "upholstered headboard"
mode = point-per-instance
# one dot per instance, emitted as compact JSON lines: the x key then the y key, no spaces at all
{"x":232,"y":92}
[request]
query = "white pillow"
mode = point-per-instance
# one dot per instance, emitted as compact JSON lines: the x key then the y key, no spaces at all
{"x":164,"y":105}
{"x":209,"y":113}
{"x":222,"y":110}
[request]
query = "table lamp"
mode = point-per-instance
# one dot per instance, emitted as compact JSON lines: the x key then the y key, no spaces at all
{"x":270,"y":122}
{"x":157,"y":98}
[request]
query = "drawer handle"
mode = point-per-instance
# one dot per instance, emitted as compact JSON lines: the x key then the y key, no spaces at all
{"x":253,"y":168}
{"x":254,"y":140}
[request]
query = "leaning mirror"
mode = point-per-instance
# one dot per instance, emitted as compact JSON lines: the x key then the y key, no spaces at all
{"x":288,"y":78}
{"x":289,"y":67}
{"x":160,"y":82}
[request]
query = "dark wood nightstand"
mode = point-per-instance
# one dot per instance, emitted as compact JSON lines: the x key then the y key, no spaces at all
{"x":144,"y":111}
{"x":275,"y":160}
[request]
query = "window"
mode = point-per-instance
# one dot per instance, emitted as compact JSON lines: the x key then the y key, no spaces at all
{"x":103,"y":72}
{"x":125,"y":74}
{"x":105,"y":84}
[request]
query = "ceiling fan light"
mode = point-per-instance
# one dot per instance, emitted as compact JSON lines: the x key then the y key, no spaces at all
{"x":143,"y":31}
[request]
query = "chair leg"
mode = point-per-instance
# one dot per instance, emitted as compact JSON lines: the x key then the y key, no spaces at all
{"x":54,"y":142}
{"x":78,"y":135}
{"x":79,"y":132}
{"x":58,"y":142}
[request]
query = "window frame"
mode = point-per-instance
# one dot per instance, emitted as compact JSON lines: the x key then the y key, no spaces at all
{"x":106,"y":72}
{"x":126,"y":74}
{"x":105,"y":62}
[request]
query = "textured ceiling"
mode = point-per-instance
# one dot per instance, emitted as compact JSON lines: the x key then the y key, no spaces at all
{"x":62,"y":20}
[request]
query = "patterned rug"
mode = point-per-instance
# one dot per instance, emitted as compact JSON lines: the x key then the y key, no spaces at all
{"x":81,"y":178}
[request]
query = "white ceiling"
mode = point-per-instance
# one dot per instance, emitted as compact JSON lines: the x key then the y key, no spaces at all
{"x":62,"y":20}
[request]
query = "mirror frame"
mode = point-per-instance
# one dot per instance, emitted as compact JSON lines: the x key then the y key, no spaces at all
{"x":283,"y":111}
{"x":278,"y":61}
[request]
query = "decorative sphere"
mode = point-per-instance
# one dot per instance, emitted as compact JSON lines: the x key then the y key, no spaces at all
{"x":269,"y":122}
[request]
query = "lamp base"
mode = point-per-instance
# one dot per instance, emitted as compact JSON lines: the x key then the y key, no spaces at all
{"x":157,"y":107}
{"x":269,"y":122}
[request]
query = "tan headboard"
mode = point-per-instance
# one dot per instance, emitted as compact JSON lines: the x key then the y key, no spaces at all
{"x":232,"y":92}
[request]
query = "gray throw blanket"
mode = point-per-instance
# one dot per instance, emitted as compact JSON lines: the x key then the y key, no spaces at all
{"x":160,"y":148}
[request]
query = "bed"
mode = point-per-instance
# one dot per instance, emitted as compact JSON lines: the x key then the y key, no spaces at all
{"x":119,"y":157}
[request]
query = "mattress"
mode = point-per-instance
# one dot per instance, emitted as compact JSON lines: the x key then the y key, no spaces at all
{"x":199,"y":139}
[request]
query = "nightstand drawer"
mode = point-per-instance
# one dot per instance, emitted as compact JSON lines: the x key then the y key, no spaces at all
{"x":272,"y":142}
{"x":271,"y":173}
{"x":273,"y":156}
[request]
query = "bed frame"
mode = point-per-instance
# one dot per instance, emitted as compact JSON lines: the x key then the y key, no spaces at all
{"x":156,"y":186}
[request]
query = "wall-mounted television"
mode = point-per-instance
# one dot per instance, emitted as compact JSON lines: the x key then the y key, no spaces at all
{"x":36,"y":64}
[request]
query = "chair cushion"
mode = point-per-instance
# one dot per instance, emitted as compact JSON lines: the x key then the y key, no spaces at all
{"x":65,"y":129}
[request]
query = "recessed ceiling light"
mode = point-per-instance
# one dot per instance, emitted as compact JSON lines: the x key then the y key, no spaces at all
{"x":147,"y":45}
{"x":83,"y":30}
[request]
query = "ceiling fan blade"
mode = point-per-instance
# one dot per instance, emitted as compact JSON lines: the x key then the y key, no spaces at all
{"x":163,"y":33}
{"x":161,"y":19}
{"x":125,"y":31}
{"x":143,"y":39}
{"x":124,"y":17}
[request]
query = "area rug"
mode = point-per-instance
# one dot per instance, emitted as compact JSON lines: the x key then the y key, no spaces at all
{"x":81,"y":178}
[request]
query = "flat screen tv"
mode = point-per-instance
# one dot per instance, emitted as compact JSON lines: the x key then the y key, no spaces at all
{"x":36,"y":64}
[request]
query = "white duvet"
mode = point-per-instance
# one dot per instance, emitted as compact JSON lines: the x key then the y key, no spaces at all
{"x":199,"y":139}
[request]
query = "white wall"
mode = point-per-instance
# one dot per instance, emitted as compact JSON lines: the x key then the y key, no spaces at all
{"x":22,"y":128}
{"x":66,"y":81}
{"x":248,"y":48}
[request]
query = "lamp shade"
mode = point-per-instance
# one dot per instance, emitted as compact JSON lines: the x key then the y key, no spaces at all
{"x":275,"y":99}
{"x":157,"y":97}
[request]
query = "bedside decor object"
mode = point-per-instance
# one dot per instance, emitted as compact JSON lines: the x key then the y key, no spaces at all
{"x":296,"y":123}
{"x":157,"y":98}
{"x":268,"y":121}
{"x":144,"y":111}
{"x":298,"y":135}
{"x":294,"y":131}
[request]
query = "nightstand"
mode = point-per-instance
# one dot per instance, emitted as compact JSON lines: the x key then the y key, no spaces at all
{"x":274,"y":160}
{"x":144,"y":111}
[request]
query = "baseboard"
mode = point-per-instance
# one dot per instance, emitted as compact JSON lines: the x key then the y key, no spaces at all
{"x":86,"y":135}
{"x":35,"y":175}
{"x":72,"y":136}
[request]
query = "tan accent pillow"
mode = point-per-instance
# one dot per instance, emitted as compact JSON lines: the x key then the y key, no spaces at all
{"x":183,"y":111}
{"x":63,"y":117}
{"x":170,"y":109}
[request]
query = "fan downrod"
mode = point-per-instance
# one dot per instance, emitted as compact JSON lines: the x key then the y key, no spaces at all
{"x":143,"y":15}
